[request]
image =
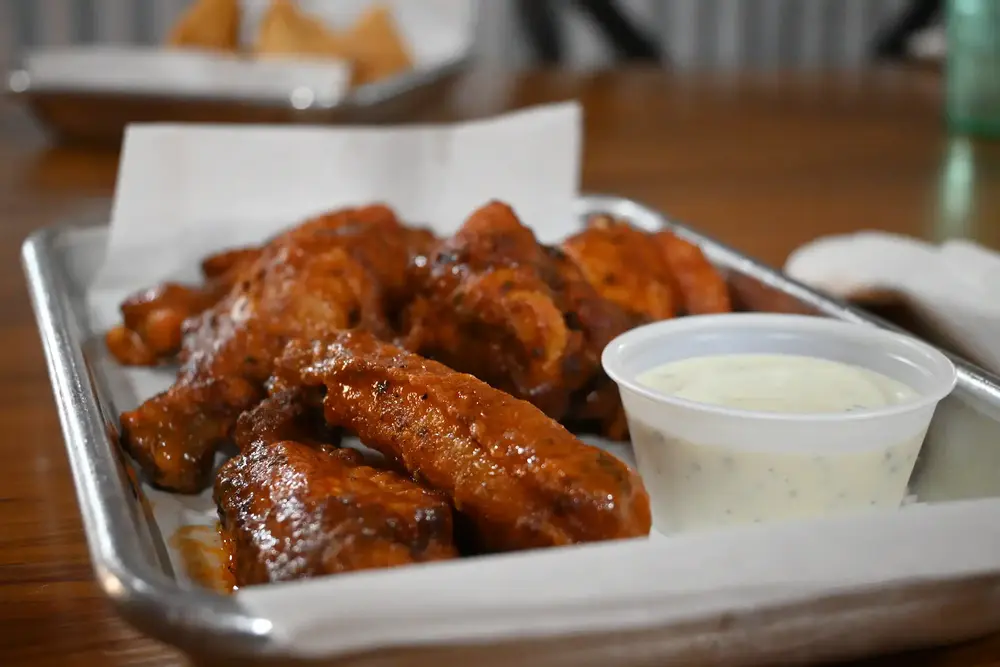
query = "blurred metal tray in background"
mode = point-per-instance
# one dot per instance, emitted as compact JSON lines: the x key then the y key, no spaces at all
{"x":91,"y":116}
{"x":130,"y":563}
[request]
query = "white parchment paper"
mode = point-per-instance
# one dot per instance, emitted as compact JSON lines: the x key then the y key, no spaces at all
{"x":186,"y":191}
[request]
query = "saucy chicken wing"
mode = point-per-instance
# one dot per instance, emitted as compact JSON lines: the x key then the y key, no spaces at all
{"x":329,"y":274}
{"x":624,"y":267}
{"x":702,"y":289}
{"x":288,"y":510}
{"x":520,"y":479}
{"x":493,"y":302}
{"x":287,"y":415}
{"x":153,"y":319}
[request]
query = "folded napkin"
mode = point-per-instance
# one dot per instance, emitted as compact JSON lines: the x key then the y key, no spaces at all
{"x":949,"y":287}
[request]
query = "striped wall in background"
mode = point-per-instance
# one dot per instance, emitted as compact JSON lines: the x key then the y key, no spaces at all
{"x":710,"y":34}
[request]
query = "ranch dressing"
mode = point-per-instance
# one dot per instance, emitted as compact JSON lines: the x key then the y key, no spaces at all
{"x":705,"y":484}
{"x":776,"y":383}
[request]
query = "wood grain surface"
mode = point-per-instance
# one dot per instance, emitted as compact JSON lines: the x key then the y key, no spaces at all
{"x":762,"y":164}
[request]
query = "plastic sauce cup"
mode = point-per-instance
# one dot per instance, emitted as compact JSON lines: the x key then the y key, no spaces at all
{"x":708,"y":466}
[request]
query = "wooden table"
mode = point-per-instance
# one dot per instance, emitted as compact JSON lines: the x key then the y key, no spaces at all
{"x":765,"y":165}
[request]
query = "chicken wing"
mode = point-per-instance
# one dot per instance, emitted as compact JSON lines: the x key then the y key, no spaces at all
{"x":624,"y":267}
{"x":288,"y":511}
{"x":652,"y":276}
{"x":703,"y":290}
{"x":286,"y":415}
{"x":520,"y":478}
{"x":493,"y":302}
{"x":331,"y":273}
{"x":153,"y":319}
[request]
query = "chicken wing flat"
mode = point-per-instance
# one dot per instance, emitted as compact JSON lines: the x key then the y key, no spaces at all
{"x":703,"y":290}
{"x":625,"y":267}
{"x":493,"y":302}
{"x":329,"y":274}
{"x":289,"y":510}
{"x":153,"y":319}
{"x":520,"y":478}
{"x":652,"y":276}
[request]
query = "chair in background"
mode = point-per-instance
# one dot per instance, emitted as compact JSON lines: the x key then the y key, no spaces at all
{"x":542,"y":26}
{"x":893,"y":42}
{"x":734,"y":34}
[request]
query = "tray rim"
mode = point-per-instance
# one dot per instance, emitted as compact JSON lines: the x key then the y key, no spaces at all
{"x":362,"y":98}
{"x":203,"y":622}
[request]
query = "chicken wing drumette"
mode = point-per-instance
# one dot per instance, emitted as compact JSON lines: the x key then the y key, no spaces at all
{"x":493,"y":302}
{"x":153,"y":319}
{"x":340,"y":271}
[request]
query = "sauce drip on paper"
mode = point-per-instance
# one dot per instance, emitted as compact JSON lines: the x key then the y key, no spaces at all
{"x":204,"y":559}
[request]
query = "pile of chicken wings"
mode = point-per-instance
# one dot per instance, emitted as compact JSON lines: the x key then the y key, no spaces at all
{"x":466,"y":363}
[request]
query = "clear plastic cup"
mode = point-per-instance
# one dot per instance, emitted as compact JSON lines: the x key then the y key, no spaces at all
{"x":707,"y":465}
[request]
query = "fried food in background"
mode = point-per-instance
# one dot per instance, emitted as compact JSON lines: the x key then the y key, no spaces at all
{"x":377,"y":47}
{"x":212,"y":25}
{"x":373,"y":45}
{"x":286,"y":30}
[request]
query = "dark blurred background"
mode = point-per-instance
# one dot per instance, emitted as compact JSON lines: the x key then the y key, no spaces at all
{"x":687,"y":34}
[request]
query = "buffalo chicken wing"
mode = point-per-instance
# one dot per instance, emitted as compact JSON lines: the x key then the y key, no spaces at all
{"x":335,"y":272}
{"x":519,"y":478}
{"x":289,"y":510}
{"x":293,"y":505}
{"x":493,"y":302}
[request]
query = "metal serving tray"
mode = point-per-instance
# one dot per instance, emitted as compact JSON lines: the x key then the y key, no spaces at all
{"x":84,"y":115}
{"x":128,"y":552}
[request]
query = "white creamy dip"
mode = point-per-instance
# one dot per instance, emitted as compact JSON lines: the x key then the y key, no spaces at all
{"x":776,"y":383}
{"x":702,"y":484}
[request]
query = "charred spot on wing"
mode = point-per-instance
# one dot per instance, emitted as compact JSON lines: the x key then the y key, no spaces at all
{"x":554,"y":252}
{"x":615,"y":468}
{"x":447,"y":257}
{"x":572,"y":321}
{"x":381,"y":387}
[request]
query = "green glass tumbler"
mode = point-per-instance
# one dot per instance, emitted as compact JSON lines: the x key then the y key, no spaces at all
{"x":973,"y":73}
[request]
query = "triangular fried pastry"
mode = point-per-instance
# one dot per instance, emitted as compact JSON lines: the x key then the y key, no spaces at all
{"x":213,"y":25}
{"x":377,"y":46}
{"x":288,"y":31}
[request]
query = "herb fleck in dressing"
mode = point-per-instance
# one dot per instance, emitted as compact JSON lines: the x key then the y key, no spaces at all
{"x":710,"y":485}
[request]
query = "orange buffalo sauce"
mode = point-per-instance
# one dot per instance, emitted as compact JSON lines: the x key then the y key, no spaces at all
{"x":204,"y":558}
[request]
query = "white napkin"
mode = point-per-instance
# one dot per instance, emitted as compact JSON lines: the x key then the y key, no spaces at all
{"x":950,"y":287}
